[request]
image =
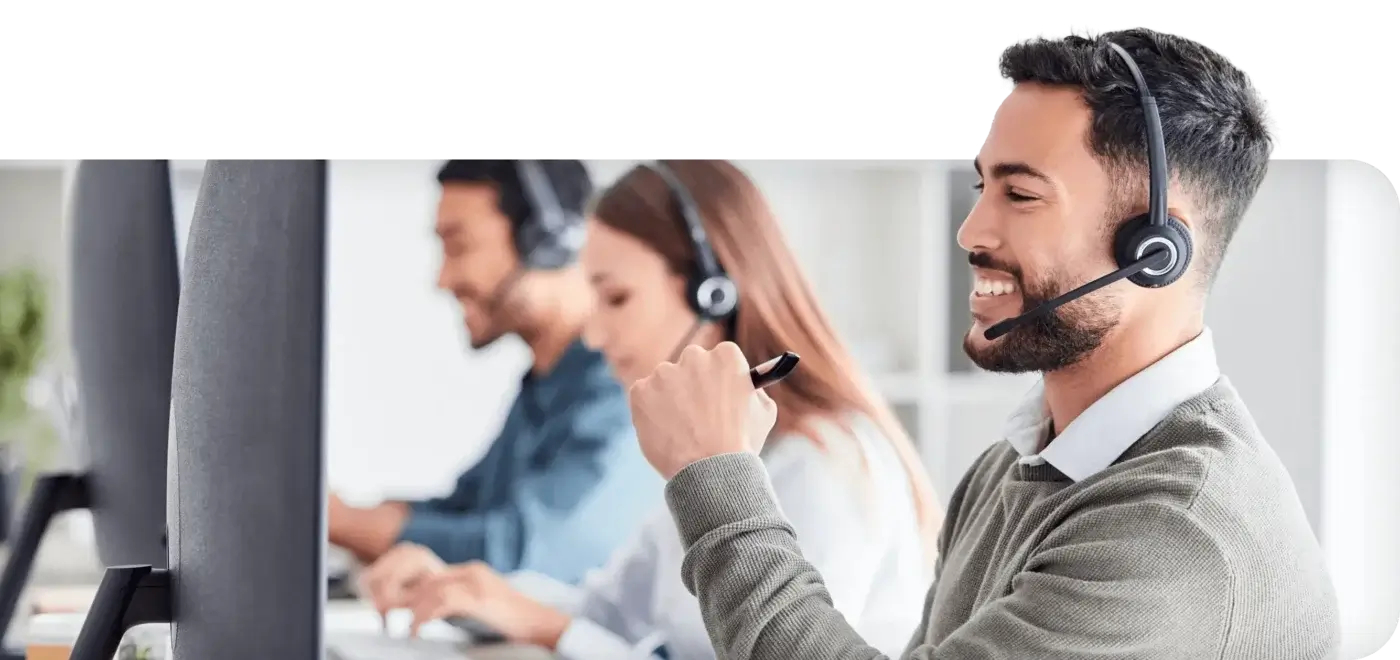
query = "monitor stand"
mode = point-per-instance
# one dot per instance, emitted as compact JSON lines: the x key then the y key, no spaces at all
{"x":52,"y":494}
{"x":127,"y":597}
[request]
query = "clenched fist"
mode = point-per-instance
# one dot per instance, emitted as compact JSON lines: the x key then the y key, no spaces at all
{"x":702,"y":405}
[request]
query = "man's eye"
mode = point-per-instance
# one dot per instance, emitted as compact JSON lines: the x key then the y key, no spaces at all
{"x":1011,"y":195}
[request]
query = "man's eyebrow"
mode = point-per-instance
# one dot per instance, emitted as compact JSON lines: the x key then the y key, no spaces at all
{"x":1004,"y":170}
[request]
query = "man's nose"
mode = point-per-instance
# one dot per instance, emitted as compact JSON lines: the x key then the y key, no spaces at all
{"x":980,"y":230}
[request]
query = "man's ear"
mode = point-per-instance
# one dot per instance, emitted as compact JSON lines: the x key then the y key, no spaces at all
{"x":1187,"y":216}
{"x":1180,"y":207}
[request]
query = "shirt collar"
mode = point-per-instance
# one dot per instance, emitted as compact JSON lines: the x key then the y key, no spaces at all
{"x":1099,"y":435}
{"x":569,"y":371}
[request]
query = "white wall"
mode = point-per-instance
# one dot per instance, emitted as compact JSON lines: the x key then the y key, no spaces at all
{"x":1361,"y":501}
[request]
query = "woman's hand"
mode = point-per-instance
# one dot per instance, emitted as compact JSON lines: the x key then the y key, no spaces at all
{"x":389,"y":580}
{"x":475,"y":591}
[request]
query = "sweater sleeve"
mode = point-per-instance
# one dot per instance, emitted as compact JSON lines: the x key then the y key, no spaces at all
{"x":1122,"y":581}
{"x":759,"y":597}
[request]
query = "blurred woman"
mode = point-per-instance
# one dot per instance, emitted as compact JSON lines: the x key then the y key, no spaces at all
{"x":689,"y":252}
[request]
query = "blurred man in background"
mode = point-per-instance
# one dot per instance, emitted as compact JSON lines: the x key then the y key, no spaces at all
{"x":564,"y":482}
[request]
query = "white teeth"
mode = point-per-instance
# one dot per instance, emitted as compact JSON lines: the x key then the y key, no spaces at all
{"x":986,"y":287}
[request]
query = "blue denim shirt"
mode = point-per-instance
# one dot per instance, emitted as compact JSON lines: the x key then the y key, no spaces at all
{"x":562,"y":486}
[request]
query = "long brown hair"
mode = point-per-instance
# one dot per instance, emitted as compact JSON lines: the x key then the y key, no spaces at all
{"x":777,"y":310}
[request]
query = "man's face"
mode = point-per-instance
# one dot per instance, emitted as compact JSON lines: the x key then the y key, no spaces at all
{"x":478,"y":256}
{"x":1039,"y":229}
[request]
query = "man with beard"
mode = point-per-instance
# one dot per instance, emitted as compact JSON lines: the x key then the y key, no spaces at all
{"x":563,"y":483}
{"x":1133,"y":510}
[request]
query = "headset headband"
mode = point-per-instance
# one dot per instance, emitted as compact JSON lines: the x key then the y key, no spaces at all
{"x":705,"y":258}
{"x":1156,"y":143}
{"x":545,"y":206}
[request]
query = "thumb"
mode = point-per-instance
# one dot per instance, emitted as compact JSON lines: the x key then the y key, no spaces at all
{"x":763,"y":413}
{"x":767,"y":404}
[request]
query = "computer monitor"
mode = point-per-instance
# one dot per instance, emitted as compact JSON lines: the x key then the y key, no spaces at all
{"x":125,"y":292}
{"x":246,"y":485}
{"x":245,"y":498}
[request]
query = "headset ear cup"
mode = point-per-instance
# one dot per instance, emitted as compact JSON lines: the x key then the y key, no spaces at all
{"x":542,"y":249}
{"x":713,"y":298}
{"x":1138,"y":232}
{"x":526,"y":244}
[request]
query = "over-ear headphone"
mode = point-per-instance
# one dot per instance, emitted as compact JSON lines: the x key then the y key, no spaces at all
{"x":710,"y":291}
{"x":550,"y":236}
{"x":1152,"y":250}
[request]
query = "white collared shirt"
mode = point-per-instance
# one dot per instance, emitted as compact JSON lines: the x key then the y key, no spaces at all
{"x":1106,"y":429}
{"x":868,"y":551}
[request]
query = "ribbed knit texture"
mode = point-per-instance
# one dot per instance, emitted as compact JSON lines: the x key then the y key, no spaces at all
{"x":1193,"y":545}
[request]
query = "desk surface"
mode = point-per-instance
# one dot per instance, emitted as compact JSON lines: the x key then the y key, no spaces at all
{"x":352,"y":627}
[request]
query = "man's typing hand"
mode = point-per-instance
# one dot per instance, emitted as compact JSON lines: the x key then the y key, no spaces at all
{"x":388,"y":582}
{"x":474,"y":591}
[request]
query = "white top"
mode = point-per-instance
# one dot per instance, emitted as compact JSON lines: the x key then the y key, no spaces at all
{"x":859,"y":530}
{"x":1106,"y":429}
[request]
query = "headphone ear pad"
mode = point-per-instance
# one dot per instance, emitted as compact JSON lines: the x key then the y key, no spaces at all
{"x":542,"y":249}
{"x":1140,"y":231}
{"x":713,"y":298}
{"x":527,"y":243}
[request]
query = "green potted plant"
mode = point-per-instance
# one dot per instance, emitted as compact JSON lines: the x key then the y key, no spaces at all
{"x":23,"y":326}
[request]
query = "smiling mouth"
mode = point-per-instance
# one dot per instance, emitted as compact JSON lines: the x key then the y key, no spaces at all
{"x":985,"y":287}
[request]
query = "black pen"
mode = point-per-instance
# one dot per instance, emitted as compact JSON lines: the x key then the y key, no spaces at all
{"x":774,"y":370}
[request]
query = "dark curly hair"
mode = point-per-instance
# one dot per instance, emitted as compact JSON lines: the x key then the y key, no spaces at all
{"x":1213,"y":122}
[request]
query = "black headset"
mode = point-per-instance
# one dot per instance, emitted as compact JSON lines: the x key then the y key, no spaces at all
{"x":710,"y":291}
{"x":1155,"y":230}
{"x":550,"y":236}
{"x":1152,"y":250}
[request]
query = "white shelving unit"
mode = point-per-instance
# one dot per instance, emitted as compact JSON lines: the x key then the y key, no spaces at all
{"x":877,"y":241}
